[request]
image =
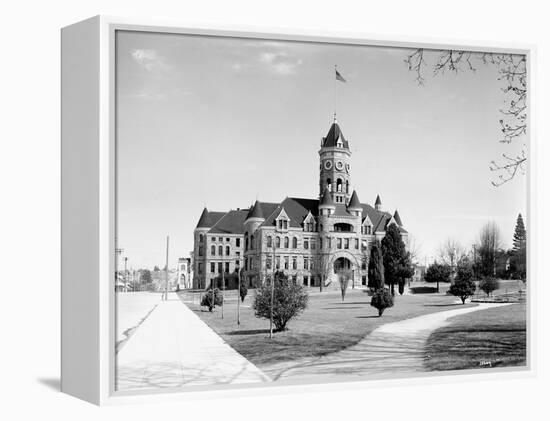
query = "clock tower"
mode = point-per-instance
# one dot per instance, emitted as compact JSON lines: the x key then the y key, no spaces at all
{"x":334,"y":170}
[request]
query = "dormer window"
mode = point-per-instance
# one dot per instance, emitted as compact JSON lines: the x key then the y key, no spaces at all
{"x":282,"y":221}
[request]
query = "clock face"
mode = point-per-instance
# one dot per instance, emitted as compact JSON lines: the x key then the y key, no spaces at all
{"x":339,"y":165}
{"x":347,"y":167}
{"x":328,"y":165}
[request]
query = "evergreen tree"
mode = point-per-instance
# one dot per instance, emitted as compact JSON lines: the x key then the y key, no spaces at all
{"x":376,"y":267}
{"x":520,"y":235}
{"x":397,"y":265}
{"x":519,"y":250}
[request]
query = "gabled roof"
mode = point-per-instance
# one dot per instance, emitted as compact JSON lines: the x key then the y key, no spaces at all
{"x":379,"y":219}
{"x":208,"y":219}
{"x":333,"y":135}
{"x":255,"y":211}
{"x":231,"y":222}
{"x":296,"y":208}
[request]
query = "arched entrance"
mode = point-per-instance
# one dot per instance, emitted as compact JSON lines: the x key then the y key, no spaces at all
{"x":342,"y":264}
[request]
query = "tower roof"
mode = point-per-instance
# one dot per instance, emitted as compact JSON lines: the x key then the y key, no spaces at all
{"x":378,"y":201}
{"x":326,"y":200}
{"x":333,"y":135}
{"x":354,"y":202}
{"x":397,"y":218}
{"x":255,"y":211}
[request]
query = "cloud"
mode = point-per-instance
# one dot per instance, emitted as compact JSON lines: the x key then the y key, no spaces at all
{"x":150,"y":60}
{"x":279,"y":62}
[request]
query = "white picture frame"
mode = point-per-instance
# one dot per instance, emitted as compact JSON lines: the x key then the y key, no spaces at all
{"x":88,"y":207}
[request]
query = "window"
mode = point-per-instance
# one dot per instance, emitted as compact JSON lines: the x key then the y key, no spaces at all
{"x":369,"y":229}
{"x":286,"y":242}
{"x":294,"y":263}
{"x":238,"y":242}
{"x":278,"y":242}
{"x":306,"y":263}
{"x":269,"y":242}
{"x":363,"y":280}
{"x":201,"y":252}
{"x":226,"y":267}
{"x":227,"y":239}
{"x":251,"y":242}
{"x":199,"y":268}
{"x":212,"y":267}
{"x":213,"y":250}
{"x":201,"y":238}
{"x":320,"y":243}
{"x":268,"y":263}
{"x":313,"y":244}
{"x":286,"y":262}
{"x":294,"y":242}
{"x":294,"y":279}
{"x":306,"y":244}
{"x":357,"y":244}
{"x":246,"y":263}
{"x":329,"y":239}
{"x":312,"y":264}
{"x":220,"y":250}
{"x":238,"y":253}
{"x":227,"y":250}
{"x":339,"y":185}
{"x":346,"y":243}
{"x":364,"y":264}
{"x":329,"y":184}
{"x":278,"y":262}
{"x":219,"y":267}
{"x":237,"y":264}
{"x":339,"y":243}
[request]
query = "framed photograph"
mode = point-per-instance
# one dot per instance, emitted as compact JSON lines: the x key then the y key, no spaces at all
{"x":244,"y":210}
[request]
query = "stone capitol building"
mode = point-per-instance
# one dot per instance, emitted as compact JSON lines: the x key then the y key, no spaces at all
{"x":308,"y":239}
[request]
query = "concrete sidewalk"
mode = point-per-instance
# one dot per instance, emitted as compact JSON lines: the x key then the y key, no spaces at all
{"x":174,"y":348}
{"x":393,"y":348}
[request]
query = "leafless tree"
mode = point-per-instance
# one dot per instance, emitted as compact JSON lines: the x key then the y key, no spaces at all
{"x":451,"y":252}
{"x":487,"y":248}
{"x":512,"y":71}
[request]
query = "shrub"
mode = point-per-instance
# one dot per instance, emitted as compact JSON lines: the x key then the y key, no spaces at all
{"x":463,"y":288}
{"x":464,"y":273}
{"x":289,"y":301}
{"x":211,"y":299}
{"x":488,"y":285}
{"x":243,"y":291}
{"x":343,"y":278}
{"x":381,"y":300}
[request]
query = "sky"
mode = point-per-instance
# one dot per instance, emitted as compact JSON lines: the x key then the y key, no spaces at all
{"x":220,"y":122}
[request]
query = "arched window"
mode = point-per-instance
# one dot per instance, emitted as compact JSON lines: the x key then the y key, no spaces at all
{"x":201,"y":238}
{"x":339,"y":185}
{"x":213,"y":250}
{"x":269,"y":242}
{"x":347,"y":186}
{"x":294,"y":242}
{"x":227,"y":250}
{"x":252,"y":242}
{"x":286,"y":242}
{"x":278,"y":242}
{"x":329,"y":184}
{"x":220,"y":250}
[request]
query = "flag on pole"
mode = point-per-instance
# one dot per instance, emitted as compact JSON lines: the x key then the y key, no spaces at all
{"x":339,"y":76}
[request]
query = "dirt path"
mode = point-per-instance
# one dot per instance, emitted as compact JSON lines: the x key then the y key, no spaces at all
{"x":392,"y":348}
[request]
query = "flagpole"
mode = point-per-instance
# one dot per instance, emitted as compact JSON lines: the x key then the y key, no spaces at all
{"x":335,"y":97}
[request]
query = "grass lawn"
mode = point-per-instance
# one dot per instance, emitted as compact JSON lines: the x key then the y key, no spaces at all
{"x":497,"y":335}
{"x":327,"y":325}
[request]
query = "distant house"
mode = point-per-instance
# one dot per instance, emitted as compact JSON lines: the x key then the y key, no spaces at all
{"x":419,"y":273}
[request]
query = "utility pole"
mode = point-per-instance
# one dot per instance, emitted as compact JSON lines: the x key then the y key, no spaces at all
{"x":272,"y":294}
{"x":166,"y":268}
{"x":239,"y":297}
{"x":223,"y":285}
{"x":125,"y":272}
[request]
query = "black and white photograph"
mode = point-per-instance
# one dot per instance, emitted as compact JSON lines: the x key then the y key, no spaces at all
{"x":292,"y":211}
